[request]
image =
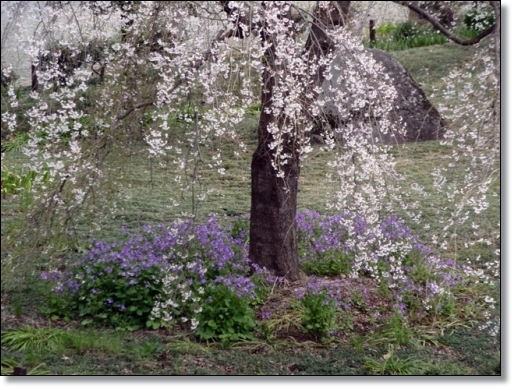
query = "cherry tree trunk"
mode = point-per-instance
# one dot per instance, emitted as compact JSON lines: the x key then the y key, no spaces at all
{"x":273,"y":239}
{"x":273,"y":232}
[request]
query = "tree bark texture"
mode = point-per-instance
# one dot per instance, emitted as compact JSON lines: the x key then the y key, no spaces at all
{"x":273,"y":231}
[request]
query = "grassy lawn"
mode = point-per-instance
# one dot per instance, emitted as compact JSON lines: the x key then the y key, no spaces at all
{"x":279,"y":347}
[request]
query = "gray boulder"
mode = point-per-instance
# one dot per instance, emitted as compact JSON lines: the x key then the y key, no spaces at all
{"x":411,"y":107}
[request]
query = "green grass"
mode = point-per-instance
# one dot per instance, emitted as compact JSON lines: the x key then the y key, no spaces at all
{"x":461,"y":353}
{"x":428,"y":65}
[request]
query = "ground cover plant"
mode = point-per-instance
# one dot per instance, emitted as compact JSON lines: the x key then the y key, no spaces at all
{"x":154,"y":265}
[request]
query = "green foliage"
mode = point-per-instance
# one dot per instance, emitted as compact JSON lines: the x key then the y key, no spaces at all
{"x":225,"y":316}
{"x":331,"y":262}
{"x":37,"y":339}
{"x":282,"y":321}
{"x":13,"y":183}
{"x":479,"y":19}
{"x":404,"y":36}
{"x":262,"y":289}
{"x":148,"y":348}
{"x":240,"y":229}
{"x":358,"y":300}
{"x":397,"y":331}
{"x":319,"y":314}
{"x":8,"y":365}
{"x":394,"y":365}
{"x":406,"y":30}
{"x":386,"y":29}
{"x":254,"y":109}
{"x":20,"y":183}
{"x":16,"y":143}
{"x":133,"y":302}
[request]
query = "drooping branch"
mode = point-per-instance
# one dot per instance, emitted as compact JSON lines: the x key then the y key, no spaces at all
{"x":436,"y":23}
{"x":206,"y":56}
{"x":239,"y":22}
{"x":319,"y":43}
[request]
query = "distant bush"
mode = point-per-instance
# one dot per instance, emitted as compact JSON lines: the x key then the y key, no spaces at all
{"x":406,"y":30}
{"x":404,"y":36}
{"x":386,"y":29}
{"x":479,"y":20}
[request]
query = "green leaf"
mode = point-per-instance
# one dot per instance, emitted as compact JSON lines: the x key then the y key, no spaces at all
{"x":152,"y":324}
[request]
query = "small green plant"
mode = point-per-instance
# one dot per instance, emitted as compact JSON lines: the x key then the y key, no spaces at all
{"x":254,"y":109}
{"x":319,"y":313}
{"x":186,"y":345}
{"x":11,"y":182}
{"x":282,"y":321}
{"x":443,"y":304}
{"x":225,"y":316}
{"x":262,"y":289}
{"x":397,"y":331}
{"x":16,"y":143}
{"x":148,"y":348}
{"x":14,"y":183}
{"x":36,"y":339}
{"x":18,"y":307}
{"x":358,"y":343}
{"x":8,"y":365}
{"x":330,"y":262}
{"x":394,"y":365}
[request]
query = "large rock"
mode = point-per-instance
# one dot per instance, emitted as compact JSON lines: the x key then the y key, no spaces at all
{"x":411,"y":107}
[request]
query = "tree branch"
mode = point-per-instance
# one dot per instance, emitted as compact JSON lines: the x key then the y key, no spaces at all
{"x":138,"y":106}
{"x":442,"y":29}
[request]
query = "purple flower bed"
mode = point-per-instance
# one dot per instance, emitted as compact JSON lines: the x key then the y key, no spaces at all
{"x":168,"y":274}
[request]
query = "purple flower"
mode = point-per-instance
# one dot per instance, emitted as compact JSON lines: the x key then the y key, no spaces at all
{"x":265,"y":315}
